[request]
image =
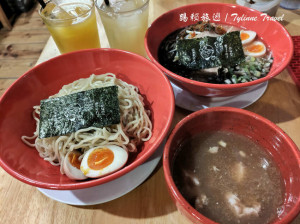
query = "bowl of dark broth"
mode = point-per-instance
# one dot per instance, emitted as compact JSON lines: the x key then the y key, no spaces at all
{"x":227,"y":165}
{"x":217,"y":49}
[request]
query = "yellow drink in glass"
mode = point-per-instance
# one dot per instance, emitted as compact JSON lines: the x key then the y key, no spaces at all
{"x":125,"y":23}
{"x":72,"y":24}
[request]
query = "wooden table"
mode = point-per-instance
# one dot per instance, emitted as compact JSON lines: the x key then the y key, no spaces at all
{"x":150,"y":202}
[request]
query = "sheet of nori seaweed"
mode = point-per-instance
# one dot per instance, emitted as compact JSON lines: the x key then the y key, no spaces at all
{"x":232,"y":52}
{"x":92,"y":108}
{"x":210,"y":52}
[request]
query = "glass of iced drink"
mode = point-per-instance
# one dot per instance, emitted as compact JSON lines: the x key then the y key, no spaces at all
{"x":125,"y":23}
{"x":72,"y":24}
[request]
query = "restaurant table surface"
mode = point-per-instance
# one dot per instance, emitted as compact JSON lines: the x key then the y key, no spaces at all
{"x":150,"y":202}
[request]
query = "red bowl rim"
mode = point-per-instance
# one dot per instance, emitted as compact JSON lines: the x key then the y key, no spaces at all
{"x":211,"y":85}
{"x":94,"y":182}
{"x":167,"y":169}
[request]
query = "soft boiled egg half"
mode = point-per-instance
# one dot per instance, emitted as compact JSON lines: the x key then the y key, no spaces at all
{"x":247,"y":36}
{"x":101,"y":161}
{"x":255,"y":49}
{"x":71,"y":166}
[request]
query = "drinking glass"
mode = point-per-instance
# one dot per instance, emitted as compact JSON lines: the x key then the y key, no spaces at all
{"x":125,"y":23}
{"x":72,"y":24}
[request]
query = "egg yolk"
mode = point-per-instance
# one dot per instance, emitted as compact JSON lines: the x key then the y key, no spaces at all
{"x":100,"y":158}
{"x":244,"y":36}
{"x":255,"y":48}
{"x":74,"y":159}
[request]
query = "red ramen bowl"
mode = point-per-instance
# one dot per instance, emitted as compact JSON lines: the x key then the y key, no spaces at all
{"x":24,"y":163}
{"x":270,"y":137}
{"x":269,"y":31}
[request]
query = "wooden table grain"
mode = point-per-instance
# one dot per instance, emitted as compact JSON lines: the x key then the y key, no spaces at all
{"x":150,"y":202}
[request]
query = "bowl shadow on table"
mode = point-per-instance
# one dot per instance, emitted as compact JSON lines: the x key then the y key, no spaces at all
{"x":285,"y":23}
{"x":285,"y":100}
{"x":138,"y":203}
{"x":296,"y":220}
{"x":266,"y":105}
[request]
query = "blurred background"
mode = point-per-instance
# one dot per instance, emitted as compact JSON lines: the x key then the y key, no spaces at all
{"x":22,"y":37}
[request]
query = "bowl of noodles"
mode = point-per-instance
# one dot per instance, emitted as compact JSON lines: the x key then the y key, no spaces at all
{"x":101,"y":106}
{"x":218,"y":49}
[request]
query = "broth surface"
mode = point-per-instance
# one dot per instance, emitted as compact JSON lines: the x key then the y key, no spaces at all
{"x":229,"y":178}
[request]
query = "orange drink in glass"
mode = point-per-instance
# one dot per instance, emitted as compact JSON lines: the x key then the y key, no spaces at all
{"x":72,"y":24}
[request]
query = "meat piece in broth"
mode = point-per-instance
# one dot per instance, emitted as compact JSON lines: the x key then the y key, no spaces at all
{"x":238,"y":171}
{"x":239,"y":209}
